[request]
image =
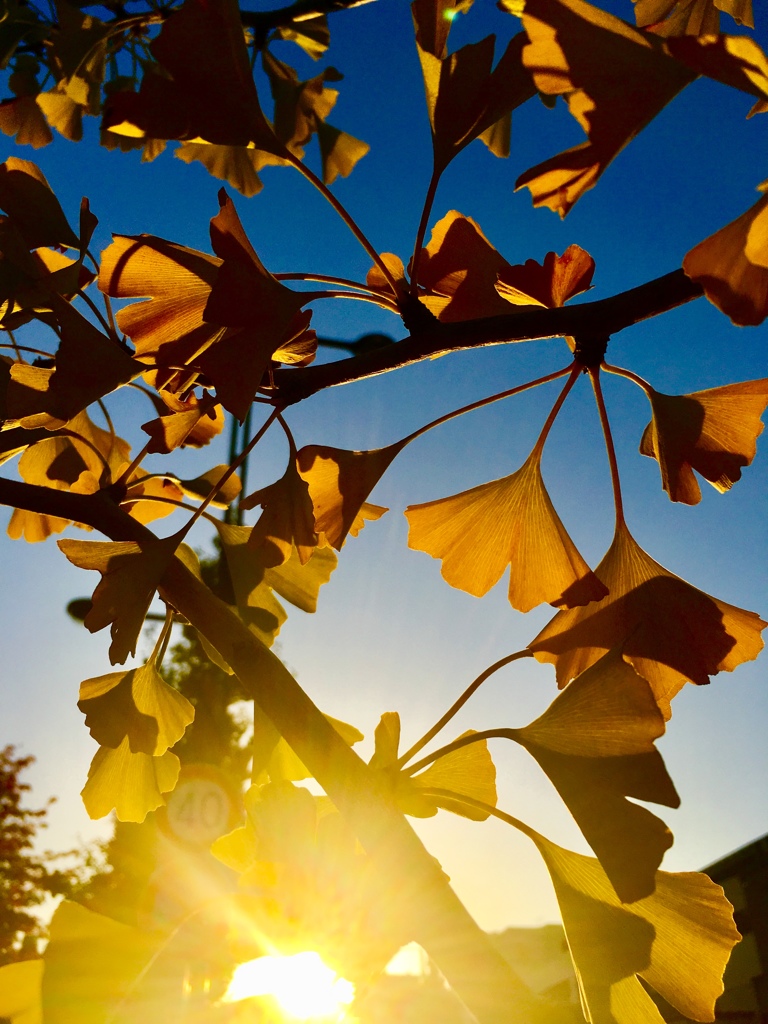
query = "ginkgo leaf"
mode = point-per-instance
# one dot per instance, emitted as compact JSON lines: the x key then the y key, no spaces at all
{"x":677,"y":940}
{"x":339,"y":152}
{"x":510,"y":521}
{"x":23,"y":118}
{"x":138,"y":705}
{"x":468,"y":771}
{"x":21,"y":992}
{"x":89,"y":365}
{"x":287,"y":520}
{"x":551,"y":283}
{"x":615,"y":80}
{"x":129,"y":784}
{"x":300,"y":583}
{"x":167,"y":329}
{"x":714,"y":432}
{"x":190,"y":423}
{"x":130,"y":575}
{"x":732,"y":266}
{"x":692,"y":17}
{"x":339,"y":483}
{"x":203,"y":88}
{"x":736,"y":61}
{"x":34,"y":526}
{"x":139,"y":503}
{"x":670,"y":632}
{"x":26,"y":196}
{"x":92,"y":964}
{"x":237,"y":165}
{"x":202,"y":486}
{"x":595,"y":742}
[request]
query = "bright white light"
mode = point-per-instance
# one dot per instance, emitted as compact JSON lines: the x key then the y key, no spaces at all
{"x":304,"y":987}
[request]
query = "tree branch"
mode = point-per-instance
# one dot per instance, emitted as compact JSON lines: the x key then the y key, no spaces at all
{"x":597,"y":319}
{"x":411,"y":880}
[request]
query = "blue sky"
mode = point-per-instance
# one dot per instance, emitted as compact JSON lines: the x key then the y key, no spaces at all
{"x":389,"y":633}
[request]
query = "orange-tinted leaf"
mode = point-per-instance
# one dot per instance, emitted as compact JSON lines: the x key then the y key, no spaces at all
{"x":202,"y":485}
{"x":595,"y":742}
{"x":690,"y":17}
{"x":669,"y":631}
{"x":138,"y":705}
{"x":138,"y":498}
{"x":551,"y":283}
{"x":736,"y":61}
{"x":62,"y":112}
{"x":168,"y":328}
{"x":89,"y":365}
{"x":510,"y":521}
{"x":190,"y":423}
{"x":678,"y":940}
{"x":26,"y":196}
{"x":34,"y":526}
{"x":130,"y":784}
{"x":23,"y":118}
{"x":468,"y":771}
{"x":732,"y":266}
{"x":287,"y":520}
{"x":615,"y":80}
{"x":130,"y":574}
{"x":714,"y":432}
{"x":20,"y":992}
{"x":339,"y":152}
{"x":339,"y":483}
{"x":235,"y":164}
{"x":284,"y":764}
{"x":204,"y":88}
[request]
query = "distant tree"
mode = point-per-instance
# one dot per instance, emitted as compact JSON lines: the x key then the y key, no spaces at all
{"x":26,"y":878}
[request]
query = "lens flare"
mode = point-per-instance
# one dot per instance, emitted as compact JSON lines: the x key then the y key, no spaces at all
{"x":304,"y":987}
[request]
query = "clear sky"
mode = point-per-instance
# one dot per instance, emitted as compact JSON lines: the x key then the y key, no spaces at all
{"x":389,"y":633}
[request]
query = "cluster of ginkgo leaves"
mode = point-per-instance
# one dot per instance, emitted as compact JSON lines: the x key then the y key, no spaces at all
{"x":217,"y":334}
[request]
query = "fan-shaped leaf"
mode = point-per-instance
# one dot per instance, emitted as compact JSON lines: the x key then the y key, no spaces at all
{"x":714,"y":432}
{"x":130,"y":784}
{"x":669,"y":631}
{"x":510,"y":521}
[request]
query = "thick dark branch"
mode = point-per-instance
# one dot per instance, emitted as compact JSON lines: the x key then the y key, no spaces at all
{"x":412,"y":884}
{"x":597,"y":319}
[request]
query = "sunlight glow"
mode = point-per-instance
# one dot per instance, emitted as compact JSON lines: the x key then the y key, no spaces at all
{"x":304,"y":987}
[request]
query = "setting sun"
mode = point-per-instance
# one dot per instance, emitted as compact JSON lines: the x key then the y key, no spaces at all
{"x":304,"y":987}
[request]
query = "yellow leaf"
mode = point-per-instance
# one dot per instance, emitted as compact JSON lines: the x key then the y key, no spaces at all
{"x":510,"y":521}
{"x":202,"y":485}
{"x":615,"y":80}
{"x":468,"y":771}
{"x":287,"y":521}
{"x":130,"y":784}
{"x":284,"y":764}
{"x":190,"y":423}
{"x":732,"y":266}
{"x":237,"y":849}
{"x":138,"y":497}
{"x":678,"y":940}
{"x":130,"y":573}
{"x":94,"y":966}
{"x":339,"y":152}
{"x":669,"y":631}
{"x":20,"y":992}
{"x":595,"y":742}
{"x":714,"y":432}
{"x":339,"y":483}
{"x":139,"y":705}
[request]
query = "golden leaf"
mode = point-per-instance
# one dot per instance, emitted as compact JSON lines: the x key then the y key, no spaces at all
{"x":202,"y":485}
{"x":510,"y":521}
{"x":235,"y":164}
{"x":595,"y":742}
{"x":284,"y":764}
{"x":690,"y":17}
{"x":714,"y":432}
{"x":339,"y":152}
{"x":551,"y":283}
{"x":670,"y":632}
{"x":678,"y":940}
{"x":23,"y":118}
{"x":732,"y":266}
{"x":287,"y":520}
{"x":20,"y":992}
{"x":130,"y":575}
{"x":130,"y":784}
{"x":138,"y":705}
{"x":204,"y":88}
{"x":34,"y":526}
{"x":26,"y":196}
{"x":138,"y":497}
{"x":468,"y":771}
{"x":615,"y":80}
{"x":190,"y":423}
{"x":339,"y":483}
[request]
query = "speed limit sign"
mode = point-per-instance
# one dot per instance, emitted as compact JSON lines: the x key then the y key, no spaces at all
{"x":202,"y":807}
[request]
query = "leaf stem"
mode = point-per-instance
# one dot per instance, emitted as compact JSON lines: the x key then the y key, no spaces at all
{"x":324,"y":191}
{"x":459,"y":704}
{"x":330,"y":279}
{"x":539,"y":446}
{"x":378,"y":300}
{"x":488,"y":808}
{"x":457,"y":744}
{"x":619,"y":371}
{"x":96,"y":311}
{"x":594,"y":375}
{"x":486,"y":401}
{"x":127,"y":473}
{"x":161,"y":645}
{"x":422,"y":229}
